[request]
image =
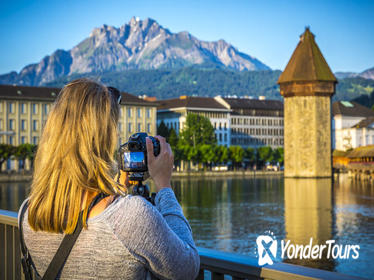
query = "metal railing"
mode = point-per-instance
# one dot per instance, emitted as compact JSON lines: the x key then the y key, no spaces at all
{"x":215,"y":265}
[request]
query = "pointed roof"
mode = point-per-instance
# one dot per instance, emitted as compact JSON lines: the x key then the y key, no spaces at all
{"x":307,"y":63}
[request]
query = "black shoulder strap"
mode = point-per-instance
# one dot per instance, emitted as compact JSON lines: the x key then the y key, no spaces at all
{"x":66,"y":245}
{"x":27,"y":263}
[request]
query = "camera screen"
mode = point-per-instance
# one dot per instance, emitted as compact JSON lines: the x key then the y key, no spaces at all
{"x":134,"y":159}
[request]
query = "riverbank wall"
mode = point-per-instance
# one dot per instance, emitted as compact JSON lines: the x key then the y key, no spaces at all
{"x":19,"y":177}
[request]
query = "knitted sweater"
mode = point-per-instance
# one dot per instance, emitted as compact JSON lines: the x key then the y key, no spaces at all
{"x":130,"y":239}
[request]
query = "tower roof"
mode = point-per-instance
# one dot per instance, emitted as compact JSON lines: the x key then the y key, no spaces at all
{"x":307,"y":63}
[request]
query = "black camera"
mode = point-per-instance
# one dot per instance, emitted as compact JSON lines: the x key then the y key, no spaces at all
{"x":133,"y":159}
{"x":133,"y":153}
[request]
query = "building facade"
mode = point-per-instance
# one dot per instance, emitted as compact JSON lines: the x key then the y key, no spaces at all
{"x":24,"y":111}
{"x":255,"y":122}
{"x":236,"y":121}
{"x":173,"y":113}
{"x":352,"y":125}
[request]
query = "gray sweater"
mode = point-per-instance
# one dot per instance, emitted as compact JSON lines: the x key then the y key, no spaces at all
{"x":128,"y":240}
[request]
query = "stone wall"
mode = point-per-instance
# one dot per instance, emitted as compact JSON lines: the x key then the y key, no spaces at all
{"x":307,"y":136}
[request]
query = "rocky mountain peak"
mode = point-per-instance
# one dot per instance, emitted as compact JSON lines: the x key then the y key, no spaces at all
{"x":138,"y":44}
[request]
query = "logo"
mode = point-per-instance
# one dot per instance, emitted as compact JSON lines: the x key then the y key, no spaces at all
{"x":267,"y":249}
{"x":267,"y":246}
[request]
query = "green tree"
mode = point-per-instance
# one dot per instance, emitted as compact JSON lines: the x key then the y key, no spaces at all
{"x":221,"y":154}
{"x":21,"y":153}
{"x":265,"y":154}
{"x":278,"y":155}
{"x":6,"y":152}
{"x":198,"y":130}
{"x":207,"y":154}
{"x":236,"y":154}
{"x":250,"y":154}
{"x":163,"y":130}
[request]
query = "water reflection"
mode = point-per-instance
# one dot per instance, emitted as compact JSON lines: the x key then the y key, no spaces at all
{"x":308,"y":212}
{"x":229,"y":213}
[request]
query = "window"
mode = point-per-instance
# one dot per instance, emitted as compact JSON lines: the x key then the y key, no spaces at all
{"x":148,"y":113}
{"x":34,"y":125}
{"x":34,"y":108}
{"x":45,"y":107}
{"x":11,"y":140}
{"x":130,"y":127}
{"x":11,"y":107}
{"x":1,"y":107}
{"x":149,"y":128}
{"x":1,"y":124}
{"x":139,"y":127}
{"x":129,"y":112}
{"x":23,"y":140}
{"x":35,"y":140}
{"x":139,"y":112}
{"x":23,"y":125}
{"x":225,"y":137}
{"x":23,"y":108}
{"x":220,"y":137}
{"x":11,"y":124}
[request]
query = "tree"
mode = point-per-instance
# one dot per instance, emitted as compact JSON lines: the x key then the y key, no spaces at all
{"x":198,"y":130}
{"x":207,"y":154}
{"x":278,"y":155}
{"x":6,"y":152}
{"x":163,"y":130}
{"x":265,"y":154}
{"x":250,"y":154}
{"x":236,"y":154}
{"x":221,"y":154}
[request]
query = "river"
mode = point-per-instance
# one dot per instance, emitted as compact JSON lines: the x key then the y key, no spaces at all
{"x":228,"y":214}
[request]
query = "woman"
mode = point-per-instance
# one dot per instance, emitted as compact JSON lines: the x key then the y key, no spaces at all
{"x":124,"y":236}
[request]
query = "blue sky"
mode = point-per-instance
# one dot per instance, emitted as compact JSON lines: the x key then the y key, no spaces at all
{"x":268,"y":30}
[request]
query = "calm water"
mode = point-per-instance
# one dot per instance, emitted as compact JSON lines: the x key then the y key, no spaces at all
{"x":229,"y":213}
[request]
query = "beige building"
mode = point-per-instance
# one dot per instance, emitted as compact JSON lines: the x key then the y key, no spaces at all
{"x":24,"y":111}
{"x":307,"y":84}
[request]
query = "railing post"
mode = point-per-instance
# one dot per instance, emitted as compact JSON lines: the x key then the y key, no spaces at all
{"x":201,"y":275}
{"x":217,"y":276}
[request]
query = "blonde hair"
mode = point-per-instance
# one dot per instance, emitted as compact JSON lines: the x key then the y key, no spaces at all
{"x":75,"y":156}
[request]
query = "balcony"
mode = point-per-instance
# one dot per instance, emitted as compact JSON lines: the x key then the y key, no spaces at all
{"x":215,"y":265}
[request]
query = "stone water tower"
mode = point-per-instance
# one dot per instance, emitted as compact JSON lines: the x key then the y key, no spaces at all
{"x":307,"y":85}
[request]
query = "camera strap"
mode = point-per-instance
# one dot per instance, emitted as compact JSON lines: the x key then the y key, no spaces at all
{"x":62,"y":253}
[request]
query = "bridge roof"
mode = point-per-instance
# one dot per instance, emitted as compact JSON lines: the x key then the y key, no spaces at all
{"x":364,"y":151}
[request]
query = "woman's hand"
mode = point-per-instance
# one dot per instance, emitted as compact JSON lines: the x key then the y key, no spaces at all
{"x":160,"y":167}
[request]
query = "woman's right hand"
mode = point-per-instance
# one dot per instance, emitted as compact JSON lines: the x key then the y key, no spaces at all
{"x":160,"y":167}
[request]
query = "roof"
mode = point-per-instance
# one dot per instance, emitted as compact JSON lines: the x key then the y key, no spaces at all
{"x":339,"y":153}
{"x":307,"y":63}
{"x":364,"y":151}
{"x":246,"y":103}
{"x":364,"y":123}
{"x":29,"y":93}
{"x":50,"y":94}
{"x":352,"y":109}
{"x":190,"y":102}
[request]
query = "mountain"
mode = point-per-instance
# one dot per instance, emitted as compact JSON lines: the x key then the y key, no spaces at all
{"x":367,"y":74}
{"x":136,"y":45}
{"x":172,"y":83}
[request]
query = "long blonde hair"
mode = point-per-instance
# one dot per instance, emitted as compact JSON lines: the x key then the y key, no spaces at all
{"x":75,"y":156}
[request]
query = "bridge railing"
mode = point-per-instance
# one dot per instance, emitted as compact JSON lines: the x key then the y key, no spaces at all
{"x":215,"y":265}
